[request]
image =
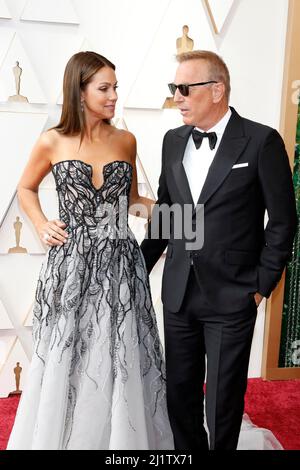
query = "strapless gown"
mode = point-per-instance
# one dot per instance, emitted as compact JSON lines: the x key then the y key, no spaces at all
{"x":97,"y":379}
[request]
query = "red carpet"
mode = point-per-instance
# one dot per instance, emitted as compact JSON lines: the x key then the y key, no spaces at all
{"x":273,"y":405}
{"x":8,"y":408}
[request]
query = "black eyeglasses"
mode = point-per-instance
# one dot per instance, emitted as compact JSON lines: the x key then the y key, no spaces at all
{"x":184,"y":87}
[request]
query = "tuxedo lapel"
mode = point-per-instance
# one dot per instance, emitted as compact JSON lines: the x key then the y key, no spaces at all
{"x":179,"y":143}
{"x":232,"y":145}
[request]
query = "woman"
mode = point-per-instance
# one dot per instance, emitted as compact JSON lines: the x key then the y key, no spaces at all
{"x":96,"y":379}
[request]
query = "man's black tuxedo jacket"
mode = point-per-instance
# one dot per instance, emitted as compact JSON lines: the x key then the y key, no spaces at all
{"x":239,"y":256}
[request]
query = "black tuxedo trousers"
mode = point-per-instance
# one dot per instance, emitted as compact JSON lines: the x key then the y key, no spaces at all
{"x":196,"y":337}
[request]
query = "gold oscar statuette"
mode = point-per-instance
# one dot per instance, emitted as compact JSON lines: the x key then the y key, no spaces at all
{"x":17,"y":249}
{"x":183,"y":44}
{"x":17,"y":372}
{"x":17,"y":71}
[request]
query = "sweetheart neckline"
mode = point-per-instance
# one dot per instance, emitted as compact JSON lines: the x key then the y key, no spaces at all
{"x":92,"y":168}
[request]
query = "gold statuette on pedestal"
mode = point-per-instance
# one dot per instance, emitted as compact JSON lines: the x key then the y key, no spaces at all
{"x":17,"y":372}
{"x":17,"y":71}
{"x":183,"y":44}
{"x":17,"y":249}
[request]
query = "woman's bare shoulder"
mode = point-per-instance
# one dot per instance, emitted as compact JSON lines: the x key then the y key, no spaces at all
{"x":51,"y":142}
{"x":125,"y":137}
{"x":51,"y":137}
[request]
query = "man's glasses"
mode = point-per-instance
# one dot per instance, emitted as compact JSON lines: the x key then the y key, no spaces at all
{"x":184,"y":87}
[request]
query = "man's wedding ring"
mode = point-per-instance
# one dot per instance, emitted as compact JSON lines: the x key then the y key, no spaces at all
{"x":46,"y":237}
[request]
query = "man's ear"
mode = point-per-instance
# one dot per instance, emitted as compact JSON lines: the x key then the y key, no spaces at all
{"x":218,"y":92}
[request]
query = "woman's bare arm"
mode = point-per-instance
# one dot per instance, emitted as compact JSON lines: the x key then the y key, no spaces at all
{"x":38,"y":166}
{"x":138,"y":205}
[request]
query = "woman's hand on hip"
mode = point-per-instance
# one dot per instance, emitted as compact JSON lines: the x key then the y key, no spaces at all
{"x":52,"y":232}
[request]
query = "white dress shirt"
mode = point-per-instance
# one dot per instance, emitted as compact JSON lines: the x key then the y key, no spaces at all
{"x":196,"y":162}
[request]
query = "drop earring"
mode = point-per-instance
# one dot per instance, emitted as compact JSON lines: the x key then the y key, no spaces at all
{"x":81,"y":103}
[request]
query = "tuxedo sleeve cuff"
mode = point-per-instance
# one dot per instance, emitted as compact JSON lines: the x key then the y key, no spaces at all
{"x":267,"y":281}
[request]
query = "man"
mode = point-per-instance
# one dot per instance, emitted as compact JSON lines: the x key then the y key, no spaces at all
{"x":238,"y":170}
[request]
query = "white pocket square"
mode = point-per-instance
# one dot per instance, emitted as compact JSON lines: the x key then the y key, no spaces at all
{"x":240,"y":165}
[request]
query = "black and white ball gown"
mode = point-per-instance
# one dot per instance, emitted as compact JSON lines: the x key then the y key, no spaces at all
{"x":97,"y":378}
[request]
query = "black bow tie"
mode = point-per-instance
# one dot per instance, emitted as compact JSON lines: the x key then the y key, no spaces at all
{"x":198,"y":137}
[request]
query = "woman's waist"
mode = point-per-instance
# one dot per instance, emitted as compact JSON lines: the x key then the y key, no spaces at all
{"x":99,"y":229}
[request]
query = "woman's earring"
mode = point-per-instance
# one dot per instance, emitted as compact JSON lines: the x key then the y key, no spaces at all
{"x":81,"y":106}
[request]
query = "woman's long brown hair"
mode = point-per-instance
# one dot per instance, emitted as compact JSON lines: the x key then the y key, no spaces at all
{"x":78,"y":73}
